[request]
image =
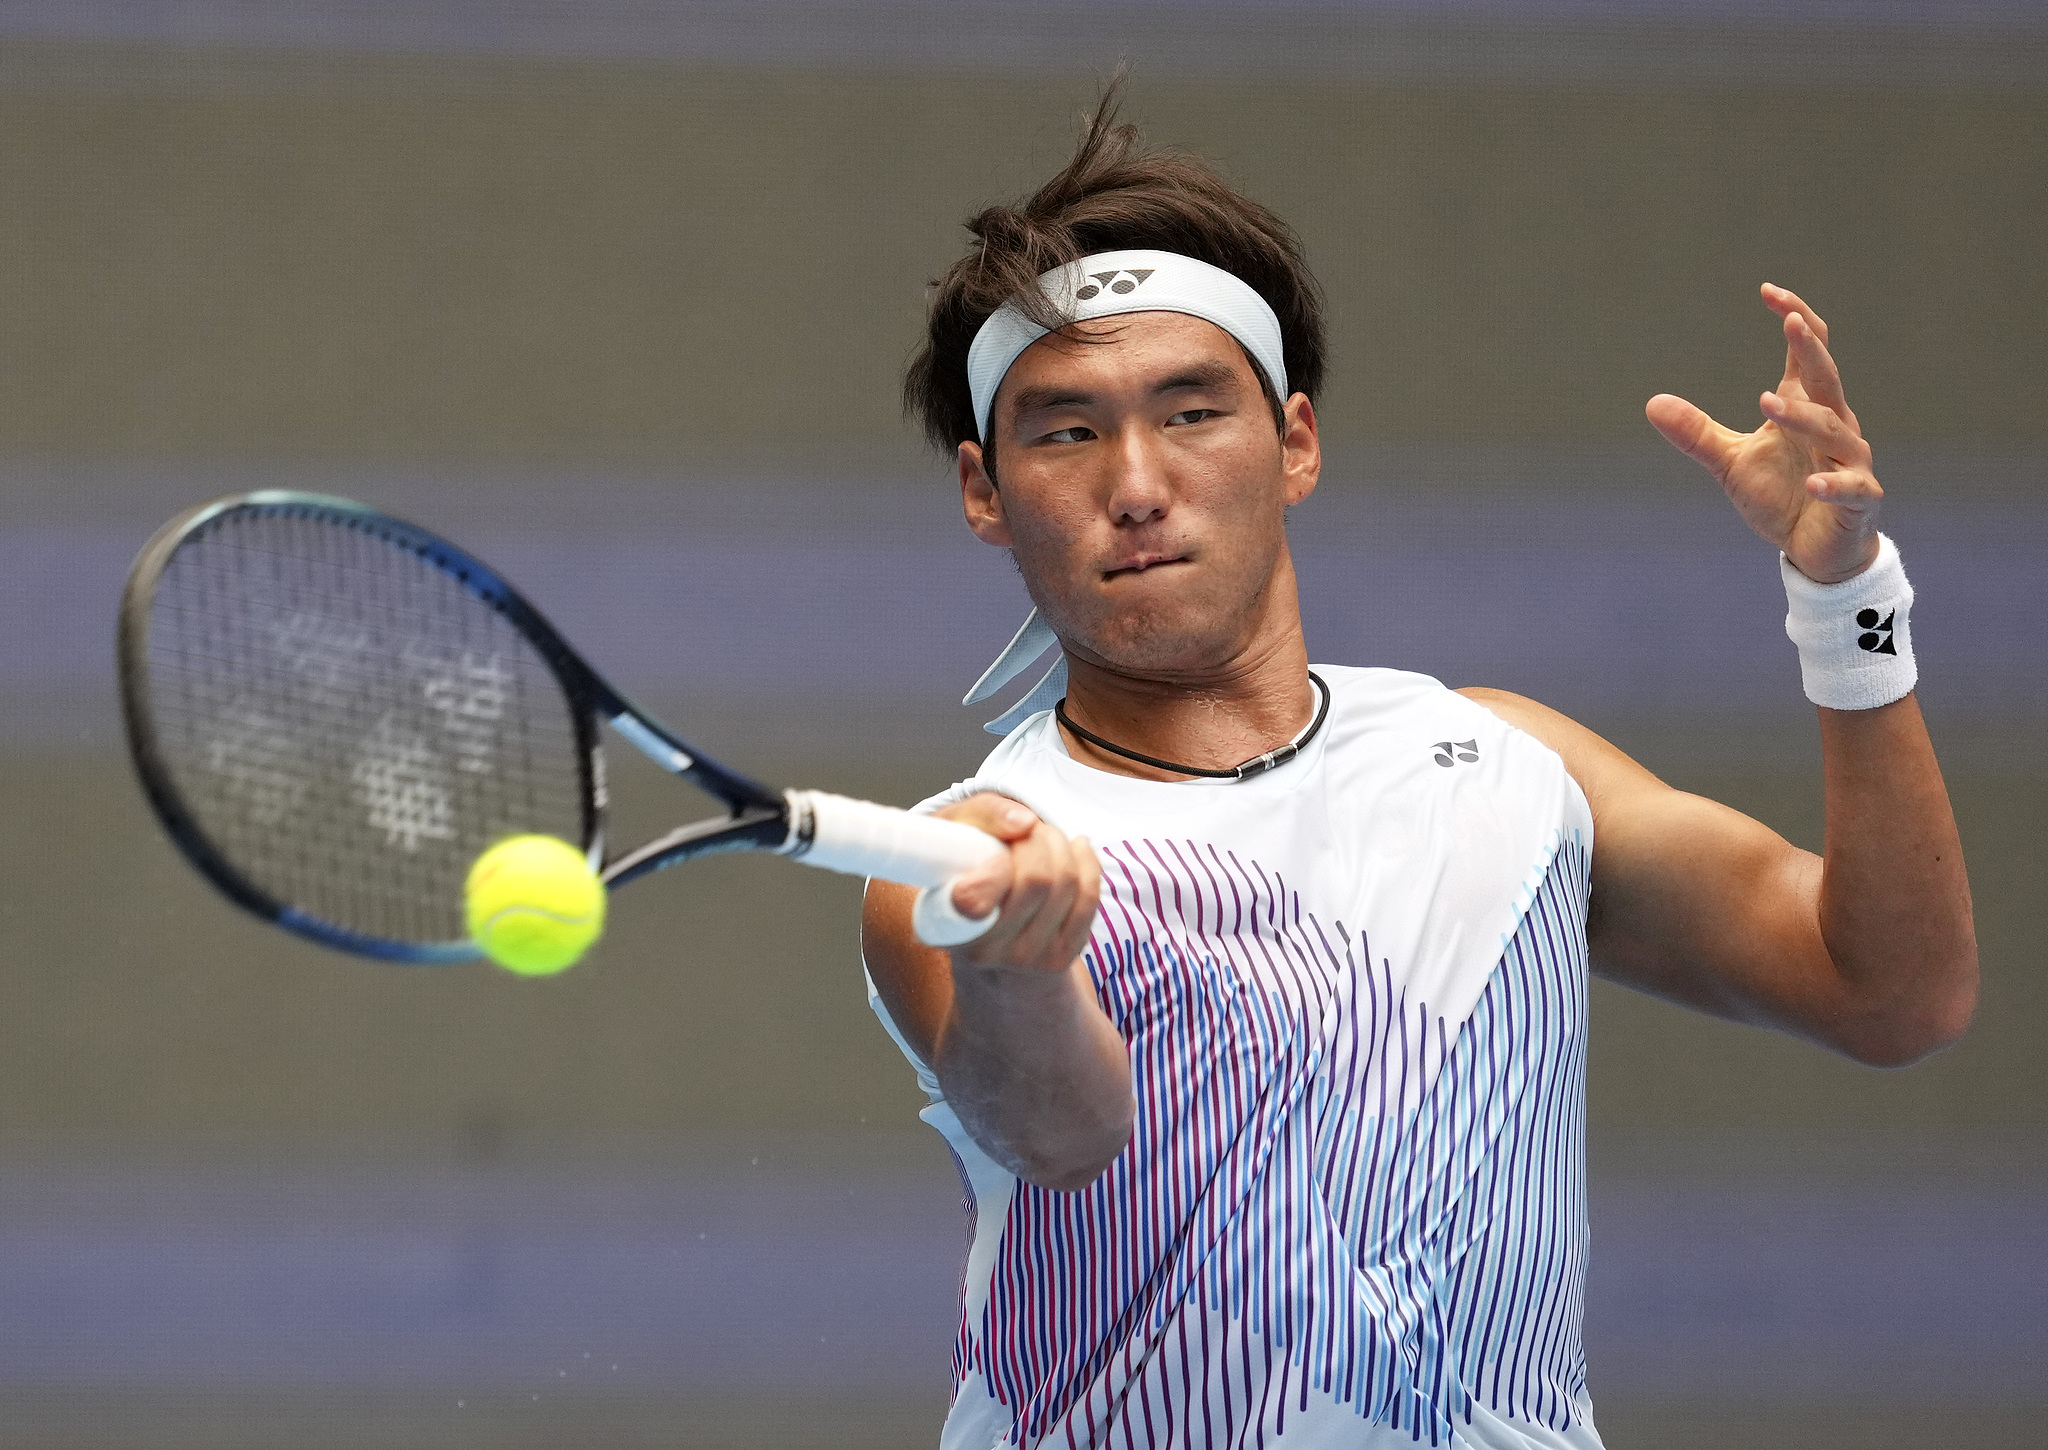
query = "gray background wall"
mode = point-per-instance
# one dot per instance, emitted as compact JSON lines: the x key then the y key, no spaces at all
{"x":619,"y":294}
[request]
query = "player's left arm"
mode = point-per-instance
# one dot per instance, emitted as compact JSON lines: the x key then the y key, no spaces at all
{"x":1868,"y":948}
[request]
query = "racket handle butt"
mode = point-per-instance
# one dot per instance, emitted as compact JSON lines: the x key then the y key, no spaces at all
{"x":939,"y":923}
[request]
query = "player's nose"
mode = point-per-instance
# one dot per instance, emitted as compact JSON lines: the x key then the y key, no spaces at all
{"x":1139,"y":489}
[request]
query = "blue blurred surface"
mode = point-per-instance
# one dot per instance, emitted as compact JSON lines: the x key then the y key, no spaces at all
{"x":734,"y":1275}
{"x":614,"y":292}
{"x":1659,"y":605}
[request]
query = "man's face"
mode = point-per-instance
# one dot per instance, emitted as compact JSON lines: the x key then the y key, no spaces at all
{"x":1143,"y":489}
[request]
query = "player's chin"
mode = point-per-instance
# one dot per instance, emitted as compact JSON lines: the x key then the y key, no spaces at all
{"x":1165,"y":637}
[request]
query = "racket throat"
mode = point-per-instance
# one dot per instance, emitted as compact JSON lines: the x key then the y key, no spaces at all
{"x":751,"y":828}
{"x":655,"y":745}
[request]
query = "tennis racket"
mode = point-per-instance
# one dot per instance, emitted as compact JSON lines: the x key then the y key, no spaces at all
{"x":333,"y":713}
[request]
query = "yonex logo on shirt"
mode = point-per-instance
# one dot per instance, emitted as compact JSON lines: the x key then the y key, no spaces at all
{"x":1447,"y":750}
{"x":1120,"y":283}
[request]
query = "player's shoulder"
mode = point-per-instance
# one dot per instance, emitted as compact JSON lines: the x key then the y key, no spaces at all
{"x":1381,"y":718}
{"x":1599,"y":766}
{"x":1517,"y":710}
{"x":1415,"y":749}
{"x":1374,"y":698}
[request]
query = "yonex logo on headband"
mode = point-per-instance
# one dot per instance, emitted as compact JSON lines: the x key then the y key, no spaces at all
{"x":1110,"y":283}
{"x":1121,"y":283}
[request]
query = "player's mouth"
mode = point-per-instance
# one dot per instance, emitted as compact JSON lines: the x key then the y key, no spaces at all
{"x":1139,"y":563}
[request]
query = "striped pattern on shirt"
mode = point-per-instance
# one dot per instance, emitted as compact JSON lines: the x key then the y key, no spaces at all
{"x":1332,"y":1191}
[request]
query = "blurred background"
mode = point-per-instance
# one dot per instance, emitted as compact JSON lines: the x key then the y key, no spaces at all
{"x":618,"y":294}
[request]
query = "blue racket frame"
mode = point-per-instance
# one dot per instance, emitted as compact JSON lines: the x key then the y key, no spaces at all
{"x":759,"y":817}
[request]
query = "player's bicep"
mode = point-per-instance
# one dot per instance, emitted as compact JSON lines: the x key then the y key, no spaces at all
{"x":914,"y":981}
{"x":1700,"y":904}
{"x":1691,"y":901}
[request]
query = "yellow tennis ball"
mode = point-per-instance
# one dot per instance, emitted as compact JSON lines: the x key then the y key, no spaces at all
{"x":533,"y":904}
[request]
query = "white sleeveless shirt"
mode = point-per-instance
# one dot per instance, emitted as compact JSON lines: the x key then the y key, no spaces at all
{"x":1352,"y":1212}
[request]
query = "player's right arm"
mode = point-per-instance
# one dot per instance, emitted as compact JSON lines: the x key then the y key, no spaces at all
{"x":1010,"y":1022}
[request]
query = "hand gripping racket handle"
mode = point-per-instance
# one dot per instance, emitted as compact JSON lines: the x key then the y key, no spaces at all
{"x":861,"y":838}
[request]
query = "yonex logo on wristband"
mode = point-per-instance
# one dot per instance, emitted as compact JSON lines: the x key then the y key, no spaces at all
{"x":1120,"y":283}
{"x":1855,"y":638}
{"x":1877,"y":635}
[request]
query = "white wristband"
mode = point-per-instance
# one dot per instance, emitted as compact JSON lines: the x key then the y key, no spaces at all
{"x":1855,"y":645}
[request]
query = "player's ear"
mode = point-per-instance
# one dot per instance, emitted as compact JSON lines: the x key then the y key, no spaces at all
{"x":1301,"y":450}
{"x":980,"y":500}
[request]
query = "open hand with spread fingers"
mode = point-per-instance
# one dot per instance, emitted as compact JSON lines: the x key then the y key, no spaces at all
{"x":1803,"y":479}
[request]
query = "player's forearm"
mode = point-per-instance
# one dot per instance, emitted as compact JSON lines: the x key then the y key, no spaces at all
{"x":1036,"y":1071}
{"x":1894,"y":899}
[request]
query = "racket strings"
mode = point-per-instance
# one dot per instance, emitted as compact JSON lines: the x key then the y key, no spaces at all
{"x":349,"y":725}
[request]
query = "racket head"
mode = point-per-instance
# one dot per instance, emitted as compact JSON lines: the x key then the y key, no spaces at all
{"x":334,"y":712}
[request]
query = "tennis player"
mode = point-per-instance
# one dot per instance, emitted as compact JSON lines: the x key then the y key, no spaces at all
{"x":1268,"y":1084}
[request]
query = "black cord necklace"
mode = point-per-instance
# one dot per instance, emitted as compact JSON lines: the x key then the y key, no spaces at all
{"x":1252,"y":767}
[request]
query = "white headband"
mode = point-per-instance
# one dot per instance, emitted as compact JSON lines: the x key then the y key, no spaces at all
{"x":1107,"y":284}
{"x":1110,"y":284}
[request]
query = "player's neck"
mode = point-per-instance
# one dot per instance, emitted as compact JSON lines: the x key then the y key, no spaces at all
{"x":1211,"y":719}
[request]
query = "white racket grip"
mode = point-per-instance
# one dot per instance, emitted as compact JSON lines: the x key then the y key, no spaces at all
{"x":864,"y":839}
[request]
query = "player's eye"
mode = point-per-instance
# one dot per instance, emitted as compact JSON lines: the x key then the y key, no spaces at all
{"x":1076,"y":434}
{"x":1190,"y":415}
